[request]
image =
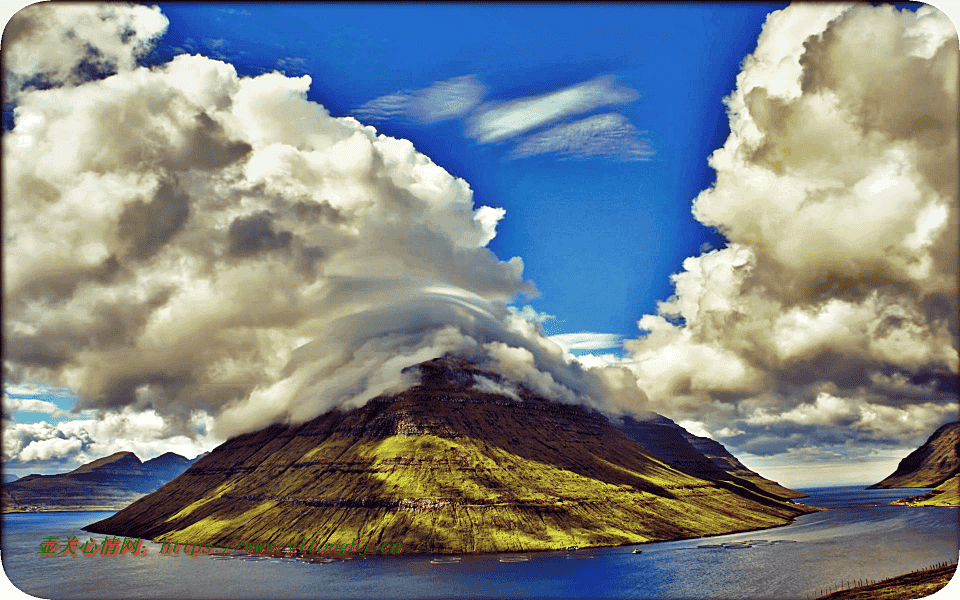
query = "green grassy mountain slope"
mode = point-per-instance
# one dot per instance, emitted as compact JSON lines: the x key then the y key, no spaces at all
{"x":936,"y":461}
{"x":945,"y":494}
{"x":111,"y":482}
{"x":444,"y":467}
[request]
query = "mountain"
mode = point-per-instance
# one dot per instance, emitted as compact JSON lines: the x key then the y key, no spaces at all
{"x":108,"y":483}
{"x":167,"y":466}
{"x":445,"y":467}
{"x":8,"y":477}
{"x":930,"y":465}
{"x":699,"y":456}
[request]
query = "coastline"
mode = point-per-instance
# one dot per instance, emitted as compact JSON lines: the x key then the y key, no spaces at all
{"x":63,"y":509}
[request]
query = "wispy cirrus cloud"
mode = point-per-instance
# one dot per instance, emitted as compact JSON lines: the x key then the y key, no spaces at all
{"x":587,"y":341}
{"x":611,"y":135}
{"x":497,"y":122}
{"x":444,"y":100}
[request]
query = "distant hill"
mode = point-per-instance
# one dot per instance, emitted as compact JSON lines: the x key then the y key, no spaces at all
{"x":446,"y":467}
{"x":108,"y":483}
{"x":930,"y":465}
{"x":693,"y":454}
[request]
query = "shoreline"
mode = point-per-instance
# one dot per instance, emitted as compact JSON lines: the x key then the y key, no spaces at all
{"x":61,"y":509}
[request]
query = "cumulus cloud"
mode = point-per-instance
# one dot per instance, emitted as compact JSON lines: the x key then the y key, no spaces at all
{"x":77,"y":40}
{"x":441,"y":101}
{"x":68,"y":444}
{"x":187,"y":243}
{"x":831,"y":316}
{"x":610,"y":135}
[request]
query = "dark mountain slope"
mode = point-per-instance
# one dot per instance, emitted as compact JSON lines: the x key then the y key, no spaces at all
{"x":444,"y":467}
{"x":699,"y":456}
{"x":936,"y":461}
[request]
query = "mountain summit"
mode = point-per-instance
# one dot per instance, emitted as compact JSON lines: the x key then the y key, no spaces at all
{"x":459,"y":463}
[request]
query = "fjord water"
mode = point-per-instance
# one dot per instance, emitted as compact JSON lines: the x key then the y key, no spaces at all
{"x":861,"y":537}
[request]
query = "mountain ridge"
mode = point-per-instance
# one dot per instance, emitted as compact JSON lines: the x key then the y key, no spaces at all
{"x":107,"y":483}
{"x":445,"y":467}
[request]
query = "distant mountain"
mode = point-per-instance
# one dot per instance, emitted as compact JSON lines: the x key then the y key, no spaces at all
{"x":936,"y":461}
{"x":700,"y":456}
{"x":446,"y":467}
{"x":110,"y":483}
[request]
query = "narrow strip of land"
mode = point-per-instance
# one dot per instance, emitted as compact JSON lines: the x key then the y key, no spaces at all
{"x":911,"y":586}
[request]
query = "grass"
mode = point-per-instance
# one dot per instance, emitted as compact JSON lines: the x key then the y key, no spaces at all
{"x":945,"y":494}
{"x":911,"y":586}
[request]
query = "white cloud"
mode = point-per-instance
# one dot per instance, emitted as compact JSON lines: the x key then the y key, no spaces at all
{"x":69,"y":444}
{"x":489,"y":386}
{"x":597,"y":361}
{"x":384,"y":107}
{"x":587,"y":341}
{"x":191,"y":242}
{"x":528,"y":313}
{"x":500,"y":121}
{"x":106,"y":37}
{"x":696,"y":428}
{"x":34,"y":389}
{"x":441,"y":101}
{"x":448,"y":99}
{"x":831,"y":315}
{"x":609,"y":135}
{"x":13,"y":405}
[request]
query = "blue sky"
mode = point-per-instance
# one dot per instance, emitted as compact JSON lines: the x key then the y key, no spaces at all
{"x":599,"y":234}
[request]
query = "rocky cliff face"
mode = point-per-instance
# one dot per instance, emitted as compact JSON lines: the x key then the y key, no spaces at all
{"x":111,"y":482}
{"x":444,"y":467}
{"x":930,"y":465}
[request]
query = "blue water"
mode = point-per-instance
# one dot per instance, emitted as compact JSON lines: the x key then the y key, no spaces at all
{"x":861,"y":537}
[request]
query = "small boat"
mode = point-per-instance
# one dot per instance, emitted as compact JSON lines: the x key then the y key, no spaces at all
{"x":638,"y":552}
{"x":515,"y":558}
{"x":444,"y":560}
